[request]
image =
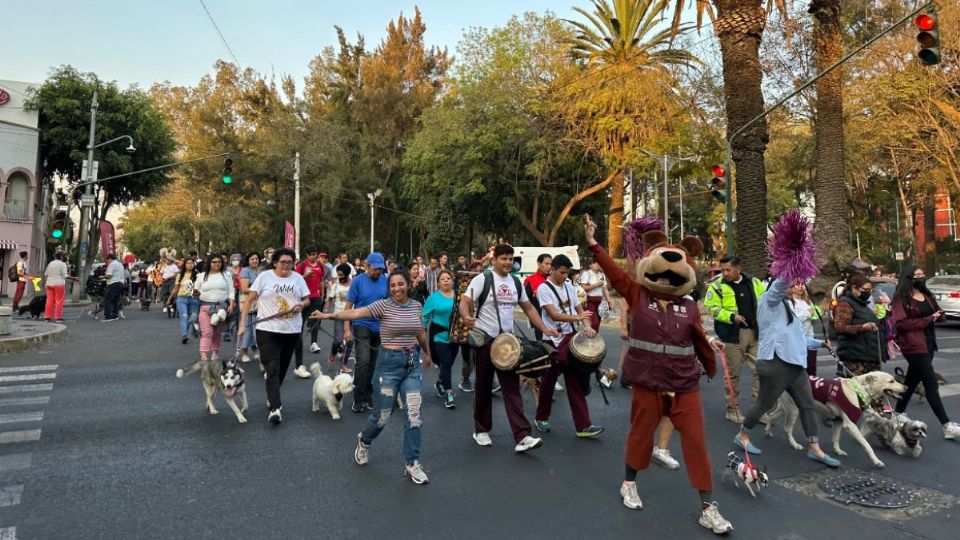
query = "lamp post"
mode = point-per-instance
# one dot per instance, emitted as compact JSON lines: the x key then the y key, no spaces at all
{"x":896,"y":208}
{"x":373,"y":198}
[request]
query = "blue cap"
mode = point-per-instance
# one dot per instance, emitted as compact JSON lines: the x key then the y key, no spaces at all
{"x":376,"y":260}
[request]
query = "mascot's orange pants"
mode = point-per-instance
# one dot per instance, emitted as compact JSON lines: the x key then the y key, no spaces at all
{"x":685,"y":410}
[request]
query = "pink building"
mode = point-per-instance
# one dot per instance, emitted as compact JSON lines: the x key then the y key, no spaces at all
{"x":24,"y":202}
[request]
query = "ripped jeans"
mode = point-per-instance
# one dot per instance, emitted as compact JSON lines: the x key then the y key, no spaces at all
{"x":398,"y":371}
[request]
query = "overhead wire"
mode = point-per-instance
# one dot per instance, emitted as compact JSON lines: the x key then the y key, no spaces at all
{"x":219,"y":33}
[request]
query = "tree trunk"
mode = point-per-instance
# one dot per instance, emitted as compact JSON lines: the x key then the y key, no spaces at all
{"x":615,"y":223}
{"x":833,"y":210}
{"x":740,"y":25}
{"x":929,"y":263}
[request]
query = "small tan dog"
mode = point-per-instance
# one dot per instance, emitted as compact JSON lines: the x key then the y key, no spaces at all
{"x":532,"y":384}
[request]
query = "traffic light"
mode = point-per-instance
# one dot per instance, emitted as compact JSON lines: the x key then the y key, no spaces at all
{"x":718,"y":185}
{"x":929,"y":37}
{"x":227,"y":171}
{"x":59,"y":225}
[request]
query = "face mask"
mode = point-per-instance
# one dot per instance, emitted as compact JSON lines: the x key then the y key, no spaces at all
{"x":918,"y":282}
{"x":865,"y":295}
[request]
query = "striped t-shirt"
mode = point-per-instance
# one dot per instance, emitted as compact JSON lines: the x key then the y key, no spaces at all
{"x":399,"y":324}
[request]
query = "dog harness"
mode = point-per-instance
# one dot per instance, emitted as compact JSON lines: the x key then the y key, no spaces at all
{"x":831,"y":391}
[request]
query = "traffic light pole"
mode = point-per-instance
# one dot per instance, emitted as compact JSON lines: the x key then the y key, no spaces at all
{"x":296,"y":204}
{"x":79,"y":292}
{"x":782,"y":101}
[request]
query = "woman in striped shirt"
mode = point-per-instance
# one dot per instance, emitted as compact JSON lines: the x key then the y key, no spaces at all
{"x":397,"y":370}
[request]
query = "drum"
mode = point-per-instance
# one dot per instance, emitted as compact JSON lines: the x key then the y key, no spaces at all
{"x":587,"y":353}
{"x":458,"y":330}
{"x":505,"y":352}
{"x":535,"y":358}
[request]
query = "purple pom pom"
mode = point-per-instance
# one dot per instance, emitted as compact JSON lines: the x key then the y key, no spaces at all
{"x":633,"y":236}
{"x":791,"y":248}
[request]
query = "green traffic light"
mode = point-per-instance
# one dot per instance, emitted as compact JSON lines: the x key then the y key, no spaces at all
{"x":227,"y":180}
{"x":57,"y":233}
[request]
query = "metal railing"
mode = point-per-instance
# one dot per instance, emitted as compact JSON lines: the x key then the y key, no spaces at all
{"x":15,"y":210}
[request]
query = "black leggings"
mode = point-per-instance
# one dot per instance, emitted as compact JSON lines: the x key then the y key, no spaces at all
{"x":446,"y":353}
{"x":275,"y":352}
{"x":920,"y":370}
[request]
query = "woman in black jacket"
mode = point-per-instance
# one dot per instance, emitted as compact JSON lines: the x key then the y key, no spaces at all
{"x":859,"y":346}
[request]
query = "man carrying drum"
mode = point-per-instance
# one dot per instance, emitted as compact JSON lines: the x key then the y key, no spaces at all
{"x":497,"y":292}
{"x":561,"y":310}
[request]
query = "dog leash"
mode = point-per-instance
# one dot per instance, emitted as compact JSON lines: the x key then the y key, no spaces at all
{"x":315,"y":323}
{"x":729,"y":383}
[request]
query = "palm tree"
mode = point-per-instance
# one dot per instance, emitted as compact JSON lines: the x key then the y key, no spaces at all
{"x":622,"y":37}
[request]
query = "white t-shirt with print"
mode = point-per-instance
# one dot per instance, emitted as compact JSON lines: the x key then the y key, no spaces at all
{"x":590,"y":277}
{"x":276,"y":294}
{"x":338,"y":292}
{"x":566,"y":304}
{"x":506,"y":291}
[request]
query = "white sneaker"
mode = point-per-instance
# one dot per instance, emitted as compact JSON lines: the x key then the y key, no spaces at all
{"x":631,"y":499}
{"x":274,"y":416}
{"x":314,"y":348}
{"x":528,"y":443}
{"x":557,"y":387}
{"x":951,"y":430}
{"x":362,"y":453}
{"x":663,"y":457}
{"x":164,"y":310}
{"x":483,"y":439}
{"x":711,"y":519}
{"x":415,"y":472}
{"x":302,"y":373}
{"x":122,"y":316}
{"x":245,"y":358}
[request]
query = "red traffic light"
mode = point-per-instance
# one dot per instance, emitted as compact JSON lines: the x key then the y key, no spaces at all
{"x":925,"y":22}
{"x":719,"y":171}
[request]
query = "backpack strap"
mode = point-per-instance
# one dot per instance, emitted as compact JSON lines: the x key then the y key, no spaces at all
{"x":485,"y":291}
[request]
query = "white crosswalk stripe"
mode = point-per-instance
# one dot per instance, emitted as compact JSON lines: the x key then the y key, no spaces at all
{"x":30,"y":377}
{"x":42,"y":387}
{"x":25,"y":435}
{"x":15,"y":462}
{"x":10,"y":495}
{"x":13,"y":402}
{"x":21,"y":369}
{"x":8,"y":533}
{"x":13,"y":418}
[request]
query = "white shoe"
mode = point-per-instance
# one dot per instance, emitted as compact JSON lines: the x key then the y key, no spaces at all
{"x":483,"y":439}
{"x":245,"y":358}
{"x":951,"y":430}
{"x":122,"y":316}
{"x":528,"y":443}
{"x":362,"y":453}
{"x":631,"y":499}
{"x":663,"y":457}
{"x":164,"y":310}
{"x":557,"y":387}
{"x":415,"y":472}
{"x":301,"y":372}
{"x":314,"y":348}
{"x":274,"y":416}
{"x":179,"y":373}
{"x":711,"y":519}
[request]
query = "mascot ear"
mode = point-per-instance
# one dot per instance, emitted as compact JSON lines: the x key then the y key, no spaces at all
{"x":653,"y":238}
{"x":693,"y":245}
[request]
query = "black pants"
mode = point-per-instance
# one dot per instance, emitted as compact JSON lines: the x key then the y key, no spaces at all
{"x":366,"y":344}
{"x":111,"y":300}
{"x":275,"y":352}
{"x":444,"y":355}
{"x":466,"y":355}
{"x":315,"y":304}
{"x":920,"y":370}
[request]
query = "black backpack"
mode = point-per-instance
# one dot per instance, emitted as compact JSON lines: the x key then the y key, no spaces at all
{"x":488,"y":284}
{"x":12,"y":273}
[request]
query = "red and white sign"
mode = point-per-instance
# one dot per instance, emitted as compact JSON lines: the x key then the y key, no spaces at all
{"x":289,"y":235}
{"x":4,"y":97}
{"x":108,"y":240}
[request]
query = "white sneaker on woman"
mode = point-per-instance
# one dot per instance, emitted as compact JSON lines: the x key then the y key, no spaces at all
{"x":951,"y":430}
{"x":662,"y":456}
{"x":631,"y":499}
{"x":711,"y":519}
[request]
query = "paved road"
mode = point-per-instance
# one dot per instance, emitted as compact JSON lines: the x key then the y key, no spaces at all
{"x":98,"y":439}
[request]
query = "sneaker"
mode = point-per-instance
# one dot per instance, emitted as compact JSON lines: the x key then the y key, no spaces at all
{"x":362,"y":453}
{"x":557,"y":387}
{"x":314,"y":348}
{"x":184,"y":340}
{"x":711,"y":519}
{"x":122,"y":316}
{"x":663,"y":457}
{"x":164,"y":309}
{"x":483,"y":439}
{"x":449,"y":403}
{"x":245,"y":358}
{"x":274,"y":416}
{"x":441,"y":391}
{"x":368,"y":406}
{"x":358,"y":408}
{"x":543,"y":426}
{"x":528,"y":443}
{"x":496,"y":388}
{"x":590,"y":433}
{"x":301,"y":372}
{"x":951,"y":430}
{"x":631,"y":499}
{"x":466,"y":385}
{"x":733,"y":415}
{"x":415,"y":472}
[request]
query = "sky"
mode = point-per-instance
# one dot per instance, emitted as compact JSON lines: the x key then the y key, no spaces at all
{"x":148,"y":41}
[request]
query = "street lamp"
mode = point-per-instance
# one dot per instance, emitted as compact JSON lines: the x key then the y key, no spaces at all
{"x":373,"y":197}
{"x":896,"y":207}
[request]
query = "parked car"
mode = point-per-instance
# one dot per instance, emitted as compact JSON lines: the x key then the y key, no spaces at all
{"x":946,"y":291}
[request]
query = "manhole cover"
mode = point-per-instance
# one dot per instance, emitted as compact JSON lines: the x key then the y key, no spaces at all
{"x":867,"y":490}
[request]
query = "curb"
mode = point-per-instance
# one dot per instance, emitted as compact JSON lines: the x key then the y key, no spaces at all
{"x":20,"y":344}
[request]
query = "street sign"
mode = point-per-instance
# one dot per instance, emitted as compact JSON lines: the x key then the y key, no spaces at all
{"x":899,"y":255}
{"x":96,"y":168}
{"x":87,"y":200}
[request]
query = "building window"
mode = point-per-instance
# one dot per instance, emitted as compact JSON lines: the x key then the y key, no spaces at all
{"x":15,"y":203}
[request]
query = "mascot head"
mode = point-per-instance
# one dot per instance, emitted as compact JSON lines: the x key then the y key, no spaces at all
{"x":668,"y":269}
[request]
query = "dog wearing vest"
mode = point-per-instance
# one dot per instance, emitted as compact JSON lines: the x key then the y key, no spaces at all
{"x":843,"y":400}
{"x":668,"y":346}
{"x":895,"y":431}
{"x":330,"y":391}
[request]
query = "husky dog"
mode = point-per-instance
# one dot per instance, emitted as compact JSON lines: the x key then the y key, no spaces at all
{"x":329,"y":391}
{"x":896,"y":431}
{"x":225,"y":377}
{"x":843,"y":400}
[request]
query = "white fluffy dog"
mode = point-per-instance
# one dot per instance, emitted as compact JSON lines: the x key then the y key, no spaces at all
{"x":330,"y":391}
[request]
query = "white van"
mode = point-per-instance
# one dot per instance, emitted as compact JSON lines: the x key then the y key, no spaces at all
{"x":525,"y":258}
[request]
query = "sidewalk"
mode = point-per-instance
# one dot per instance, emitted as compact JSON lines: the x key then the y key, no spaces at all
{"x":27,"y":333}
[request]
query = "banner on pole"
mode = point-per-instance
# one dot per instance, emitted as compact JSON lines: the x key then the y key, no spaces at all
{"x":289,"y":235}
{"x":108,"y":241}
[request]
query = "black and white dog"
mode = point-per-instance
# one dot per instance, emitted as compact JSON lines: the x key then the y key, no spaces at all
{"x":225,"y":377}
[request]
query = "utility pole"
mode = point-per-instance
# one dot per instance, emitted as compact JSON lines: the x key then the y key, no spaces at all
{"x":667,"y":162}
{"x":680,"y":184}
{"x":79,"y":291}
{"x":373,"y":198}
{"x":296,"y":204}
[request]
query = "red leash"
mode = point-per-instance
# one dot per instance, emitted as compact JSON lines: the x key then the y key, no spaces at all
{"x":733,"y":400}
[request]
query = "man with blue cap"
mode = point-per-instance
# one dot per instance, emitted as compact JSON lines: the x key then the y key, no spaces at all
{"x":365,"y":289}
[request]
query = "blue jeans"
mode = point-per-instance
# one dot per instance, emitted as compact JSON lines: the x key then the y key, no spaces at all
{"x":397,"y":372}
{"x":185,"y":306}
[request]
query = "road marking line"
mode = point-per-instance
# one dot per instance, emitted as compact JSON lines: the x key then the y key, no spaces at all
{"x":10,"y":495}
{"x":31,"y":377}
{"x":14,"y":462}
{"x":43,"y":387}
{"x":36,"y":400}
{"x":33,"y":416}
{"x":8,"y":533}
{"x":51,"y":367}
{"x":948,"y":390}
{"x":24,"y":435}
{"x":951,"y":350}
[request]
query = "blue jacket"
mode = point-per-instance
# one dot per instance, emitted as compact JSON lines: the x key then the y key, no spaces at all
{"x":777,"y":336}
